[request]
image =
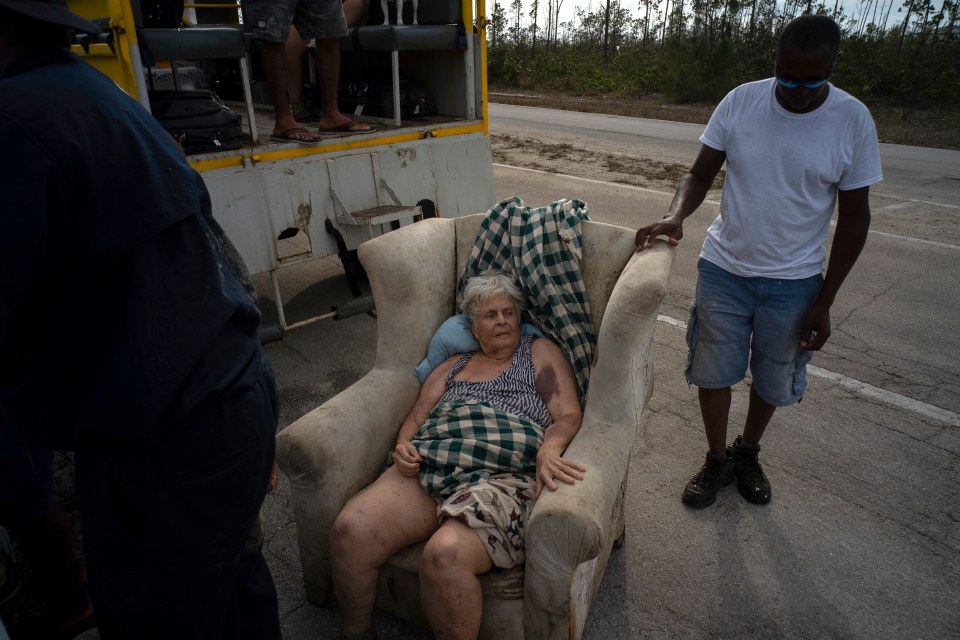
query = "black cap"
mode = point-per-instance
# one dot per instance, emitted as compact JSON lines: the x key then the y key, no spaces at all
{"x":52,"y":12}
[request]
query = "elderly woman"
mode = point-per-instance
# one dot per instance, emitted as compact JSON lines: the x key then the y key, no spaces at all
{"x":483,"y":439}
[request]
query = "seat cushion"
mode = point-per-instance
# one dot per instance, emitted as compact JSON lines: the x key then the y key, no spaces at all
{"x":393,"y":37}
{"x":194,"y":44}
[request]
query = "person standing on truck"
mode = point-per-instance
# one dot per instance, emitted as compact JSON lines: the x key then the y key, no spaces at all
{"x":321,"y":19}
{"x":129,"y":335}
{"x":355,"y":12}
{"x":795,"y":146}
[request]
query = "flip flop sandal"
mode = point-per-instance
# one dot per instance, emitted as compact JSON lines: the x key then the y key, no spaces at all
{"x":286,"y":136}
{"x":345,"y":129}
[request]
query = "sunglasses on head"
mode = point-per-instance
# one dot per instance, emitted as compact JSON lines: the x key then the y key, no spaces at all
{"x":813,"y":84}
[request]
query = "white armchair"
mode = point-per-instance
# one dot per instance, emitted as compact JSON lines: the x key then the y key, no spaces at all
{"x":340,"y":447}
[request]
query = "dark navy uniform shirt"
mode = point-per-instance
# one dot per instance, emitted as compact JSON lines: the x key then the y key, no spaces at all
{"x":123,"y":306}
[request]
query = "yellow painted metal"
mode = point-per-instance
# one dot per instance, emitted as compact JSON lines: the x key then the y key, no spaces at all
{"x":211,"y":164}
{"x":482,"y":34}
{"x":117,"y":64}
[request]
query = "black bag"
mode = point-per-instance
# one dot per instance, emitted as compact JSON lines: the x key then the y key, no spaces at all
{"x":414,"y":102}
{"x":203,"y":121}
{"x":373,"y":96}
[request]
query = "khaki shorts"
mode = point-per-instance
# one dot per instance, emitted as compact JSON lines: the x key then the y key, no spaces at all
{"x":271,"y":19}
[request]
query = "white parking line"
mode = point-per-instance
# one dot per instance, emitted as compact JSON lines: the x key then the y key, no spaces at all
{"x":909,"y":201}
{"x":862,"y":388}
{"x":931,"y":243}
{"x":717,"y":202}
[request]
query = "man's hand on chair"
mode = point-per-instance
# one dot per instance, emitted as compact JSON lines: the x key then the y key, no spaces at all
{"x":551,"y":466}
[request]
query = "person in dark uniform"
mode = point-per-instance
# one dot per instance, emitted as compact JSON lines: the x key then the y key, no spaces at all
{"x":128,"y":334}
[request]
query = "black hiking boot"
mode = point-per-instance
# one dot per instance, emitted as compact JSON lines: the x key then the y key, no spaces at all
{"x":702,"y":489}
{"x":751,"y":480}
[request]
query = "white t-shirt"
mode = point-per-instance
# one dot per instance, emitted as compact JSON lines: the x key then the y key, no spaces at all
{"x":783,"y":172}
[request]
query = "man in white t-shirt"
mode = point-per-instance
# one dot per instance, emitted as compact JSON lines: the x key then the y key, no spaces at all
{"x":795,"y":146}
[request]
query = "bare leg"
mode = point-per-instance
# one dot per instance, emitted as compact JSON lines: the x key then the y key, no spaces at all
{"x":328,"y":66}
{"x":293,"y":51}
{"x":275,"y":71}
{"x":390,"y":514}
{"x":449,"y":588}
{"x":355,"y":11}
{"x":758,"y":417}
{"x":715,"y":410}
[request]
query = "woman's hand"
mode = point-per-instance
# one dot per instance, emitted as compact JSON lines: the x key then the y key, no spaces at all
{"x":407,"y":459}
{"x":551,"y":466}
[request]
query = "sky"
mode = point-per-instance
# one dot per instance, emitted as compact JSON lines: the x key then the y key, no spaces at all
{"x":568,"y":8}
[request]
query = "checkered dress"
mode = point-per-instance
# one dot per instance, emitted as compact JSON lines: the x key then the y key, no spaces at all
{"x":465,"y":441}
{"x":542,"y":249}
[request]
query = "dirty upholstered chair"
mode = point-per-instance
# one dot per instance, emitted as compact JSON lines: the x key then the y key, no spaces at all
{"x":340,"y":447}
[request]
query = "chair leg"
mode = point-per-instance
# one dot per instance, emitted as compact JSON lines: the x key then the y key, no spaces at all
{"x":248,"y":98}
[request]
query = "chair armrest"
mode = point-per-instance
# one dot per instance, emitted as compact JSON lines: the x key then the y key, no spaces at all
{"x":621,"y":380}
{"x":333,"y":452}
{"x":576,"y":523}
{"x":620,"y":386}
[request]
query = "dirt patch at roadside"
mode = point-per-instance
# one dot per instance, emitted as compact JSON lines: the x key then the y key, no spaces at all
{"x":587,"y":160}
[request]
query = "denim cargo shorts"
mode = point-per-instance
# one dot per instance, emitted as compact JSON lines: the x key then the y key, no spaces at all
{"x":271,"y":19}
{"x":735,"y":319}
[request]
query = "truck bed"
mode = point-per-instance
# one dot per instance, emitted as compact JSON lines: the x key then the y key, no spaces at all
{"x":268,"y":150}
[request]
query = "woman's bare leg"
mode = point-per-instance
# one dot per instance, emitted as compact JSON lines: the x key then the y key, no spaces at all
{"x":393,"y":512}
{"x":449,"y":588}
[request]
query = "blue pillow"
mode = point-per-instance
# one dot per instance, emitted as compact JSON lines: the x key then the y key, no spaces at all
{"x":455,"y":336}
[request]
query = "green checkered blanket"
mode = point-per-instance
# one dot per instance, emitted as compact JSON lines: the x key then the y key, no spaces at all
{"x":464,"y":441}
{"x":542,"y":249}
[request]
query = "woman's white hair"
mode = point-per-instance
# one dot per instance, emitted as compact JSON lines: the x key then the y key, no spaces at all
{"x":488,"y":284}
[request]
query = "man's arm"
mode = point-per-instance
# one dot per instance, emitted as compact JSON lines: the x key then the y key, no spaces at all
{"x":853,"y":223}
{"x":691,"y":191}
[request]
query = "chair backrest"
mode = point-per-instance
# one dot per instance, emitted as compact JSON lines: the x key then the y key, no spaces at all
{"x":606,"y":250}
